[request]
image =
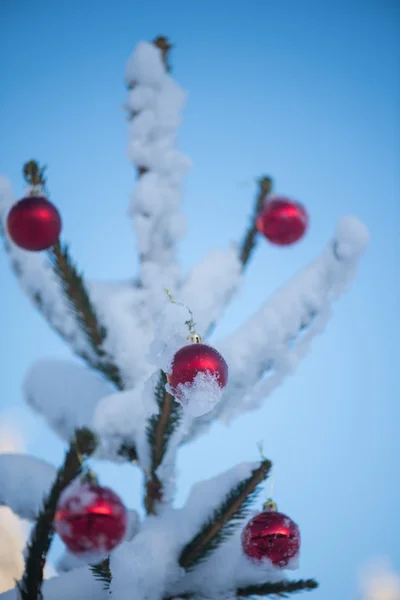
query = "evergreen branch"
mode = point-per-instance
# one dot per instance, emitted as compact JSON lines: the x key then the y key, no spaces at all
{"x":225,"y":518}
{"x":279,"y":588}
{"x":160,"y":428}
{"x":78,"y":298}
{"x":102,"y":572}
{"x":128,"y":452}
{"x":42,"y":534}
{"x":265,"y":187}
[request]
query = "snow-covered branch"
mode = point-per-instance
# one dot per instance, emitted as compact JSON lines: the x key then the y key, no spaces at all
{"x":269,"y":346}
{"x":37,"y":278}
{"x":155,"y":101}
{"x":118,"y":306}
{"x":25,"y":481}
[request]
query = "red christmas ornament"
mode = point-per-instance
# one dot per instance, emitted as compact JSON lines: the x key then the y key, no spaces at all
{"x":90,"y":519}
{"x":197,"y":358}
{"x":271,"y":535}
{"x":34,"y":223}
{"x":282,"y":221}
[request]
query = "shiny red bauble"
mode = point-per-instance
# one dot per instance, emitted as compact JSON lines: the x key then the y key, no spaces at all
{"x":282,"y":221}
{"x":271,"y":535}
{"x":90,"y":519}
{"x":197,"y":358}
{"x":34,"y":223}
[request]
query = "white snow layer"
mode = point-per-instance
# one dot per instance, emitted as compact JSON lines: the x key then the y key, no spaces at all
{"x":25,"y":481}
{"x":156,"y":101}
{"x":65,"y":393}
{"x":78,"y":584}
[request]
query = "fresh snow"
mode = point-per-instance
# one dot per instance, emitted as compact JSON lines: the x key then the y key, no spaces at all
{"x":77,"y":585}
{"x":65,"y":393}
{"x":24,"y":483}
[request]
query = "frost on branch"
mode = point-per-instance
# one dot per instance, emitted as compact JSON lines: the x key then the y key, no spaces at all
{"x":24,"y":483}
{"x":155,"y":102}
{"x":64,"y":393}
{"x":269,"y":346}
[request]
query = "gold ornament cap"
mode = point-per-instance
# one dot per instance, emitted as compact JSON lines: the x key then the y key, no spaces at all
{"x":195,"y":338}
{"x":270,"y":505}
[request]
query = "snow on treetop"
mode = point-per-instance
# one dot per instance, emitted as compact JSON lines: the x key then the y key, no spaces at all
{"x":145,"y":66}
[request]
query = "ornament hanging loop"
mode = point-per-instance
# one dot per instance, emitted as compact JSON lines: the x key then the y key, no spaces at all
{"x":191,"y":325}
{"x":270,"y":505}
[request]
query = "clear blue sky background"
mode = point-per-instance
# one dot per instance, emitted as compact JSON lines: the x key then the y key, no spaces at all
{"x":305,"y":91}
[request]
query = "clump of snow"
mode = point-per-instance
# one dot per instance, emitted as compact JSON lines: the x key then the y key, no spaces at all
{"x":148,"y":564}
{"x":65,"y":393}
{"x":120,"y":309}
{"x":145,"y":65}
{"x":79,"y":585}
{"x":171,"y":334}
{"x":199,"y":396}
{"x":121,"y":418}
{"x":24,"y":483}
{"x":352,"y":237}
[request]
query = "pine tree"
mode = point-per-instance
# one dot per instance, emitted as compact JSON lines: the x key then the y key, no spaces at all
{"x":121,"y":407}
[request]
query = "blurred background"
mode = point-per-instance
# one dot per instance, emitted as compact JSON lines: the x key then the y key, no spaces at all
{"x":307,"y":92}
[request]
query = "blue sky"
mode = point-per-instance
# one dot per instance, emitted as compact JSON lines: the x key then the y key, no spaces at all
{"x":306,"y":91}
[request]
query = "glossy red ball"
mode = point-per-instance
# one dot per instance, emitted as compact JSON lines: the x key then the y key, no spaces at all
{"x":90,"y":519}
{"x":271,"y":535}
{"x":282,"y":221}
{"x":34,"y":223}
{"x":197,"y":358}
